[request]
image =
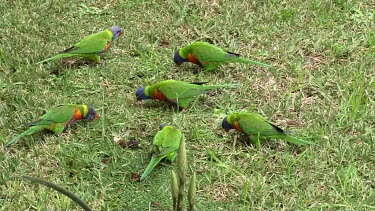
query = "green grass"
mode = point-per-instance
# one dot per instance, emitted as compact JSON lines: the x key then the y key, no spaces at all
{"x":322,"y":89}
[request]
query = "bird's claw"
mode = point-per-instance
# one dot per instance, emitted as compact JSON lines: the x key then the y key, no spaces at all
{"x":138,"y":103}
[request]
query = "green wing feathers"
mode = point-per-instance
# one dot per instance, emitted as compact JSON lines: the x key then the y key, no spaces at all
{"x":192,"y":90}
{"x":211,"y":56}
{"x":58,"y":114}
{"x":181,"y":92}
{"x":172,"y":89}
{"x":30,"y":131}
{"x":171,"y":138}
{"x":95,"y":43}
{"x":256,"y":126}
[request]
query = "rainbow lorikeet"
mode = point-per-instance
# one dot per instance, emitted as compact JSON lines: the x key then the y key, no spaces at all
{"x":257,"y":128}
{"x":165,"y":145}
{"x":177,"y":92}
{"x":58,"y":119}
{"x":209,"y":56}
{"x":92,"y":46}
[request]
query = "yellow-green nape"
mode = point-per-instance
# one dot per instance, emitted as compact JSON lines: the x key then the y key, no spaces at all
{"x":85,"y":110}
{"x":181,"y":53}
{"x":231,"y":118}
{"x":89,"y":112}
{"x":179,"y":58}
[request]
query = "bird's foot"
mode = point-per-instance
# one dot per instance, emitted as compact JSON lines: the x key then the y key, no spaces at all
{"x":138,"y":103}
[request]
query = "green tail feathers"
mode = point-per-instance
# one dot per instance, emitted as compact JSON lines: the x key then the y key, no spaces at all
{"x":58,"y":56}
{"x":220,"y":86}
{"x":297,"y":141}
{"x":154,"y":162}
{"x":248,"y":61}
{"x":30,"y":131}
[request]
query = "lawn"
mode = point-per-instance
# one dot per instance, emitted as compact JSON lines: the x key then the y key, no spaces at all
{"x":322,"y":89}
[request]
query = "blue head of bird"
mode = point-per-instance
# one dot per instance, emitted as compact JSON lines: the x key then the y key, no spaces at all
{"x":225,"y":125}
{"x":140,"y":94}
{"x":117,"y":32}
{"x":178,"y":59}
{"x":91,"y":114}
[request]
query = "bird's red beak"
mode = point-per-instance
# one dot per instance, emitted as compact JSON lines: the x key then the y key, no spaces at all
{"x":227,"y":131}
{"x":120,"y":34}
{"x":96,"y":117}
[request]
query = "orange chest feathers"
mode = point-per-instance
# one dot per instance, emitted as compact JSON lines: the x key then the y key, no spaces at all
{"x":158,"y":95}
{"x":109,"y":43}
{"x":77,"y":114}
{"x":236,"y":126}
{"x":191,"y":58}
